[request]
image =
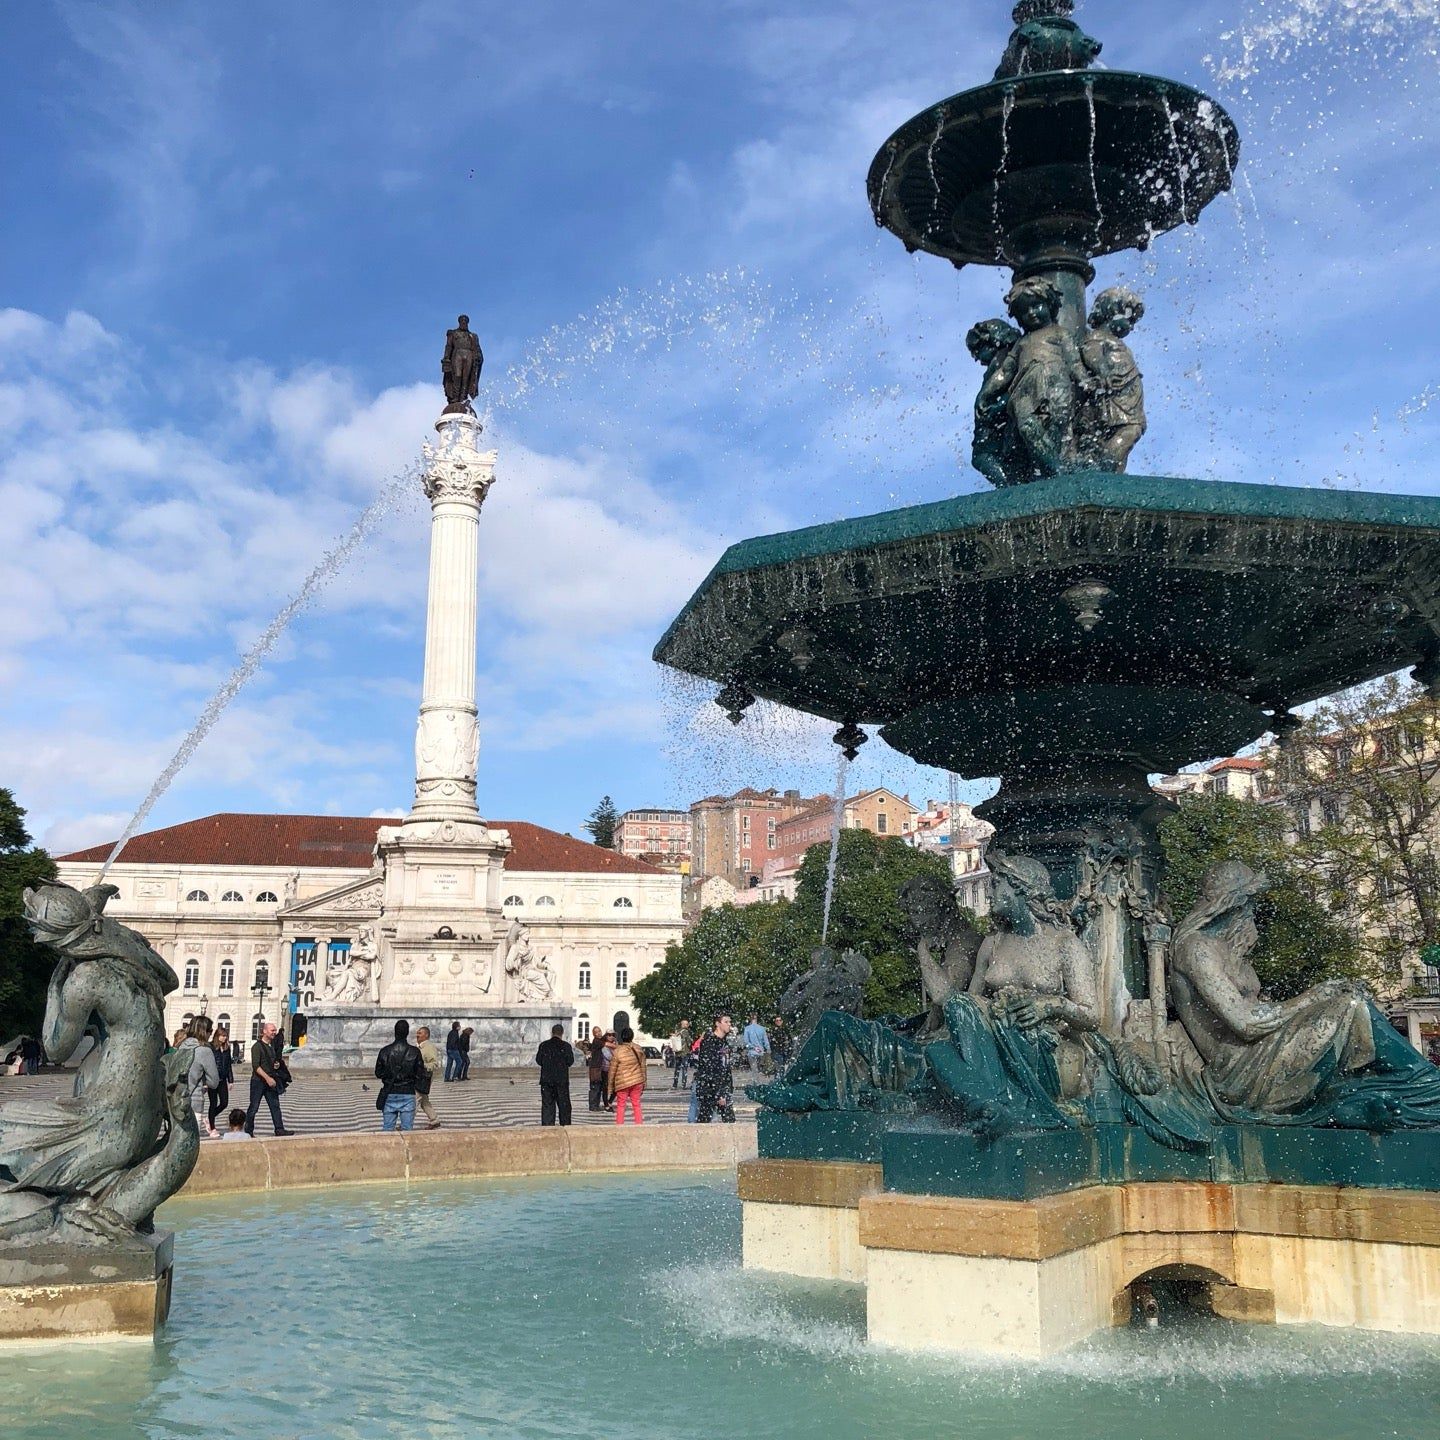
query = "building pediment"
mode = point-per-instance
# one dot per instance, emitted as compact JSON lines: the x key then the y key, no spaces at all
{"x":356,"y":897}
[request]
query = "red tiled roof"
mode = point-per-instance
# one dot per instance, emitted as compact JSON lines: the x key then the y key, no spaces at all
{"x":1237,"y":765}
{"x":341,"y":842}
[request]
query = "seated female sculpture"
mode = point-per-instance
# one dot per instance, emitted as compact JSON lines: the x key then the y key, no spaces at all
{"x":1327,"y":1057}
{"x":1020,"y":1050}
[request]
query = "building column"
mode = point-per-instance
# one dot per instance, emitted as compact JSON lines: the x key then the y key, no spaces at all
{"x":457,"y":478}
{"x":1412,"y":1024}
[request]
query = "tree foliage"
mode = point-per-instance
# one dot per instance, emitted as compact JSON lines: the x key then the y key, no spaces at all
{"x":24,"y":966}
{"x":1301,"y":941}
{"x":740,"y":958}
{"x":1362,"y":785}
{"x":603,"y":821}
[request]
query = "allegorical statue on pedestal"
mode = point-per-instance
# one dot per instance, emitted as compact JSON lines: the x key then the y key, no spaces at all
{"x":461,"y":366}
{"x":94,"y":1166}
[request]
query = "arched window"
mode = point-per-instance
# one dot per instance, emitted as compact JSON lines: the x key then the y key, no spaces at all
{"x":256,"y":1021}
{"x":544,"y":900}
{"x":233,"y":897}
{"x":222,"y":1022}
{"x":624,"y":903}
{"x":585,"y":979}
{"x":513,"y":902}
{"x":187,"y":1018}
{"x":622,"y":978}
{"x":262,"y":975}
{"x":267,"y":897}
{"x":199,"y":895}
{"x":227,"y":976}
{"x":192,"y":975}
{"x":582,"y":1027}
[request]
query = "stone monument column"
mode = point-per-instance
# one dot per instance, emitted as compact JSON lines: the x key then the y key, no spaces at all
{"x":457,"y":478}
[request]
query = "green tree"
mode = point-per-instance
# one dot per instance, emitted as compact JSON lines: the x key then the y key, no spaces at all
{"x":740,"y":958}
{"x":736,"y":958}
{"x":865,"y":914}
{"x":1301,"y":941}
{"x":602,"y":823}
{"x":24,"y":966}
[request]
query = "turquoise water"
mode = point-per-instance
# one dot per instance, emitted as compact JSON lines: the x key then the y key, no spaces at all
{"x":615,"y":1307}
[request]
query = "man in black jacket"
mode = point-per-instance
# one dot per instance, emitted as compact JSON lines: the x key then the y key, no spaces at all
{"x":398,"y":1068}
{"x":712,"y":1075}
{"x":555,"y":1057}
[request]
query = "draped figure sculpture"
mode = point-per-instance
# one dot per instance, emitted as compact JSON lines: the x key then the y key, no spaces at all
{"x":1020,"y":1049}
{"x":1327,"y":1057}
{"x":94,"y":1166}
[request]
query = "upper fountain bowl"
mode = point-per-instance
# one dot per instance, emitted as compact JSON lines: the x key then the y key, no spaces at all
{"x":1053,"y":168}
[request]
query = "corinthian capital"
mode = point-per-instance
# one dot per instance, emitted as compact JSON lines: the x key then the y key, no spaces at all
{"x":455,"y":467}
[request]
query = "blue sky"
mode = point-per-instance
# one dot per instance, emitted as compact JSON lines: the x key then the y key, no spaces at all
{"x":237,"y":234}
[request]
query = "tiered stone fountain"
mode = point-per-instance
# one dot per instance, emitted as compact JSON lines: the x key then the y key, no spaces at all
{"x":1111,"y":626}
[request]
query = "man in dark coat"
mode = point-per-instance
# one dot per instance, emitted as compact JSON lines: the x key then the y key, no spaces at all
{"x":555,"y":1057}
{"x":399,"y":1068}
{"x":713,"y":1081}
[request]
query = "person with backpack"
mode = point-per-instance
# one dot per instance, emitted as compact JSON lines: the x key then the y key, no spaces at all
{"x":399,"y":1069}
{"x":204,"y":1073}
{"x":626,"y":1081}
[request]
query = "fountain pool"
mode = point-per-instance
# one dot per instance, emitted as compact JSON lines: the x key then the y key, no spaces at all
{"x":520,"y":1308}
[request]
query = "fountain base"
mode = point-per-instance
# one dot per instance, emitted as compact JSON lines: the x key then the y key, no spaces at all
{"x":115,"y":1291}
{"x":1035,"y":1276}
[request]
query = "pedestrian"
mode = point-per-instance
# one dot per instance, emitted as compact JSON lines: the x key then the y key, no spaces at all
{"x":555,"y":1057}
{"x":627,"y":1076}
{"x":464,"y":1043}
{"x":595,"y":1070}
{"x":607,"y":1054}
{"x":203,"y":1073}
{"x":264,"y":1084}
{"x":430,"y":1057}
{"x":779,"y":1042}
{"x":452,"y":1051}
{"x":680,"y":1048}
{"x":713,"y":1079}
{"x":237,"y":1130}
{"x":225,"y":1068}
{"x":31,"y":1053}
{"x":398,"y":1068}
{"x":757,"y":1046}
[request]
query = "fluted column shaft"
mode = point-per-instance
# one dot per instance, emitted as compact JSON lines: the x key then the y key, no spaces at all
{"x":457,"y":478}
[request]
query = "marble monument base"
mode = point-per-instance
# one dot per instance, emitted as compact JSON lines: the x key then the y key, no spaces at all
{"x":350,"y":1037}
{"x":59,"y":1291}
{"x":1032,"y":1277}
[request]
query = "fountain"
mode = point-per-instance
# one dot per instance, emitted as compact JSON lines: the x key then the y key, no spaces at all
{"x":1079,"y":1121}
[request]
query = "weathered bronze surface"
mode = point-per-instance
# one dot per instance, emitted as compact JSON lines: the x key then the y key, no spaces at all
{"x":92,"y":1169}
{"x":460,"y":367}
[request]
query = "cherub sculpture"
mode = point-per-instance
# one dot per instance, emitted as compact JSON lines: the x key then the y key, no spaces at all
{"x":1037,"y":380}
{"x":992,"y":451}
{"x":1112,"y":390}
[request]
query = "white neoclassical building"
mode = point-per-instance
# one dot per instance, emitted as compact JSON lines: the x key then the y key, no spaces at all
{"x":254,"y":912}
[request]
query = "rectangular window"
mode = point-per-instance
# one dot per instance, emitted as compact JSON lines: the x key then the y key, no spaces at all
{"x":882,"y":823}
{"x":770,"y":841}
